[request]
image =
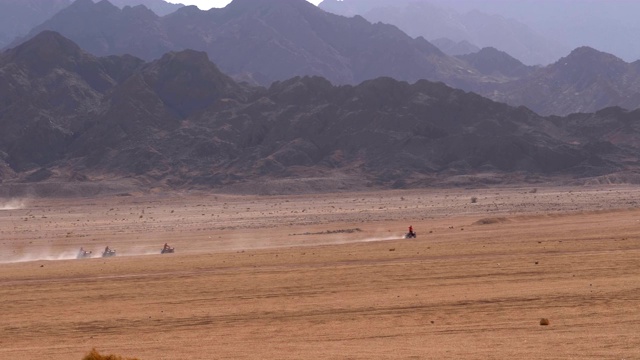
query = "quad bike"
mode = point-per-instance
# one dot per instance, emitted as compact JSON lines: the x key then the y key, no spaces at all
{"x":410,"y":235}
{"x":167,"y":250}
{"x":82,"y":254}
{"x":108,"y":253}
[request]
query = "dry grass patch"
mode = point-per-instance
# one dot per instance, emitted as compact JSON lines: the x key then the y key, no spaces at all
{"x":94,"y":355}
{"x":493,"y":220}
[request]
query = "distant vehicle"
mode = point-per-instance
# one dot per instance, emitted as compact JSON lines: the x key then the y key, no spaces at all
{"x":83,"y":254}
{"x":411,"y":235}
{"x":166,"y":249}
{"x":108,"y":252}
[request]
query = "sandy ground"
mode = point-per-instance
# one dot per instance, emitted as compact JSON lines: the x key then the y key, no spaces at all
{"x":325,"y":276}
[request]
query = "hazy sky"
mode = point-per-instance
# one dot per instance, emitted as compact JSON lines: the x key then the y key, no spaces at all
{"x":208,"y":4}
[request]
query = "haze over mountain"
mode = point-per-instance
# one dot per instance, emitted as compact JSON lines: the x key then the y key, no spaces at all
{"x":423,"y":18}
{"x":160,"y":7}
{"x":18,"y":17}
{"x":261,"y":41}
{"x":453,"y":48}
{"x":609,"y":26}
{"x":179,"y":122}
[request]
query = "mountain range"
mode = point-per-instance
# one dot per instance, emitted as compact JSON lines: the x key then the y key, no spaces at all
{"x":179,"y":122}
{"x":260,"y":42}
{"x":609,"y":26}
{"x":586,"y":80}
{"x":438,"y":22}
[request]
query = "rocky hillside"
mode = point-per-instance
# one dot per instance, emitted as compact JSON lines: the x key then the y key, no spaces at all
{"x":180,"y":122}
{"x":586,"y":80}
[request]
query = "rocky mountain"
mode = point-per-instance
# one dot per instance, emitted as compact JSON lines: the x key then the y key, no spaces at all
{"x":431,"y":21}
{"x":50,"y":89}
{"x":454,"y":48}
{"x":261,"y":41}
{"x":496,"y":63}
{"x":160,"y":7}
{"x":586,"y":80}
{"x":180,"y":122}
{"x":18,"y":17}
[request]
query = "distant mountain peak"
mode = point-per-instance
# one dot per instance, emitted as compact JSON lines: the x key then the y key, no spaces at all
{"x":251,"y":5}
{"x":491,"y":61}
{"x":105,"y":4}
{"x":190,"y":57}
{"x":139,"y":11}
{"x":188,"y":81}
{"x":586,"y":52}
{"x":84,"y":6}
{"x":588,"y":60}
{"x":158,"y":7}
{"x":47,"y":46}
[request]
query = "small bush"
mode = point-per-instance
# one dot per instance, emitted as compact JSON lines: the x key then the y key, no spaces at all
{"x":474,"y":200}
{"x":94,"y":355}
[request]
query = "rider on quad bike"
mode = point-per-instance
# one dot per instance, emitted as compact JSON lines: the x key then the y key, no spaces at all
{"x":166,"y":249}
{"x":411,"y":233}
{"x":108,"y":252}
{"x":83,"y":253}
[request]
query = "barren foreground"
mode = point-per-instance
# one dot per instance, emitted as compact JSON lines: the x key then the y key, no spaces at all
{"x":325,"y":276}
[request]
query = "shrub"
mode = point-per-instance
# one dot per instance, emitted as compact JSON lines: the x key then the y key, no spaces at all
{"x":94,"y":355}
{"x":474,"y":200}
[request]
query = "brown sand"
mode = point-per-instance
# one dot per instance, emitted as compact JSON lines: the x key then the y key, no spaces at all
{"x":326,"y":276}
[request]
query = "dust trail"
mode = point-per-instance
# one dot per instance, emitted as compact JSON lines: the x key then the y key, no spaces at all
{"x":265,"y":245}
{"x":138,"y":251}
{"x":13,"y":204}
{"x":41,"y":256}
{"x":378,"y":239}
{"x":231,"y":245}
{"x":50,"y":255}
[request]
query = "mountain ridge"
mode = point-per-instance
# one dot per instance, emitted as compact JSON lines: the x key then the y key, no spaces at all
{"x":260,"y":42}
{"x":17,"y":18}
{"x":289,"y":38}
{"x":179,"y":122}
{"x":435,"y":21}
{"x":586,"y":80}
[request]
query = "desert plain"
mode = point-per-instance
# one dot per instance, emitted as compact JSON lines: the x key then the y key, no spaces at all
{"x":325,"y":276}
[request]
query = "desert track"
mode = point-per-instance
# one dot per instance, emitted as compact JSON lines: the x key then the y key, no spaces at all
{"x":280,"y":277}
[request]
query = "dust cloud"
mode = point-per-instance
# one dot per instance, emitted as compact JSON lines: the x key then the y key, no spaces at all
{"x":13,"y":204}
